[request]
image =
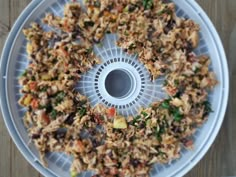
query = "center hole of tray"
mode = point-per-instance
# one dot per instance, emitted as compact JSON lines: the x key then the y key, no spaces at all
{"x":119,"y":83}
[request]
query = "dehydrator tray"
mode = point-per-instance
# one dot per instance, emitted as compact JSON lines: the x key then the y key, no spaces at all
{"x":115,"y":62}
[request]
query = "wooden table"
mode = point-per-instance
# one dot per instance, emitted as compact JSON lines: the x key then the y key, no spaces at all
{"x":220,"y":161}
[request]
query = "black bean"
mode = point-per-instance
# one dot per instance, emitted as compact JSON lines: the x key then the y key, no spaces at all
{"x":176,"y":129}
{"x":88,"y":24}
{"x":189,"y":47}
{"x":60,"y":134}
{"x":70,"y":119}
{"x":163,"y":70}
{"x":131,"y":7}
{"x":110,"y":154}
{"x":95,"y":143}
{"x":142,"y":125}
{"x":92,"y":131}
{"x":110,"y":7}
{"x":35,"y":136}
{"x":135,"y":162}
{"x":169,"y":26}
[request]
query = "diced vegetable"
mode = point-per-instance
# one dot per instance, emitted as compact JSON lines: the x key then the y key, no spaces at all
{"x":73,"y":174}
{"x":33,"y":86}
{"x":111,"y":112}
{"x":27,"y":100}
{"x":119,"y":122}
{"x":189,"y":143}
{"x":98,"y":119}
{"x":35,"y":103}
{"x":29,"y":48}
{"x":148,"y":122}
{"x":45,"y":77}
{"x":80,"y":145}
{"x":46,"y":118}
{"x":26,"y":88}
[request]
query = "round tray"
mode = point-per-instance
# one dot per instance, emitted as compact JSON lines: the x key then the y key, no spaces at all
{"x":93,"y":84}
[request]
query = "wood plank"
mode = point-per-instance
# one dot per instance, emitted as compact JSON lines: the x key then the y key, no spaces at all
{"x":20,"y":167}
{"x":5,"y":140}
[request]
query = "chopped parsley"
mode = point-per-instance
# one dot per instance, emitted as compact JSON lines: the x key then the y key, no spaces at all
{"x":147,"y":4}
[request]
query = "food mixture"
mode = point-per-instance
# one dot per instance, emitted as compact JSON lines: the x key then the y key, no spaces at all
{"x":59,"y":119}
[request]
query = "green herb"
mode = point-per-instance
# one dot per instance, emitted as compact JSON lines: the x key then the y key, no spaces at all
{"x":161,"y":153}
{"x":165,"y":104}
{"x":136,"y":119}
{"x":53,"y":114}
{"x":144,"y":114}
{"x":71,"y":77}
{"x":197,"y":70}
{"x":207,"y":108}
{"x":89,"y":50}
{"x":177,"y":115}
{"x":165,"y":11}
{"x":176,"y":82}
{"x":42,"y":106}
{"x":159,"y":133}
{"x":44,"y":89}
{"x":165,"y":83}
{"x":23,"y":74}
{"x":132,"y":46}
{"x":82,"y":102}
{"x":33,"y":78}
{"x":54,"y":61}
{"x":82,"y":111}
{"x":100,"y":45}
{"x":48,"y":107}
{"x":97,"y":4}
{"x":60,"y":97}
{"x":147,"y":4}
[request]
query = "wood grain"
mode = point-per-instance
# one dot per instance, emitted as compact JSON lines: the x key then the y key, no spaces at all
{"x":5,"y":141}
{"x":220,"y":160}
